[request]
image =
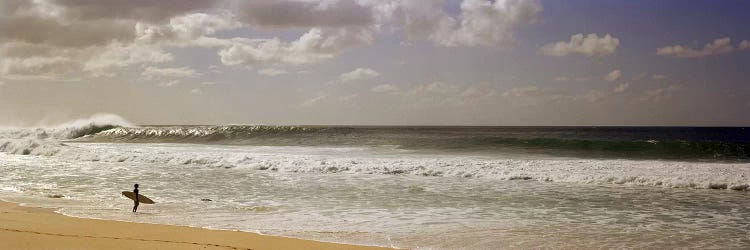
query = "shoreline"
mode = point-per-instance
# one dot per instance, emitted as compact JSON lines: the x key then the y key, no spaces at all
{"x":23,"y":227}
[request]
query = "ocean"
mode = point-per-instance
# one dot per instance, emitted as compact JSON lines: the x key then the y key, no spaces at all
{"x":406,"y":187}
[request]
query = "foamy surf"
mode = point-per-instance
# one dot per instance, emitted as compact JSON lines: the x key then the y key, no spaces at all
{"x":345,"y":185}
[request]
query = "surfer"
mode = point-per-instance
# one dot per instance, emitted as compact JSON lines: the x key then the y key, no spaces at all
{"x":135,"y":190}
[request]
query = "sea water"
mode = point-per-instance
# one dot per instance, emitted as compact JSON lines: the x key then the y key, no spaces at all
{"x":408,"y":187}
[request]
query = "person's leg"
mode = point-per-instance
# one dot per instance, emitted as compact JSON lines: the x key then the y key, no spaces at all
{"x":135,"y":206}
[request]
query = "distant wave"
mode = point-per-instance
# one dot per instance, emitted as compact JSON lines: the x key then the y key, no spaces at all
{"x":627,"y":149}
{"x":198,"y":134}
{"x":413,"y":138}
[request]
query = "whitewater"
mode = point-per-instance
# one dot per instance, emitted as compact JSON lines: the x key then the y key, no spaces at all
{"x":423,"y":188}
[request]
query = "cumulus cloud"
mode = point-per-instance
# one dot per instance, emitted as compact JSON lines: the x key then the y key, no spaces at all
{"x":659,"y":94}
{"x":359,"y":74}
{"x":182,"y":72}
{"x":594,"y":96}
{"x":109,"y":59}
{"x":303,"y":14}
{"x":562,"y":79}
{"x":272,"y":72}
{"x":347,"y":98}
{"x":168,"y":76}
{"x":152,"y":11}
{"x":72,"y":38}
{"x":590,"y":45}
{"x":315,"y":45}
{"x":658,"y":77}
{"x":66,"y":38}
{"x":434,"y":88}
{"x":101,"y":38}
{"x":37,"y":66}
{"x":745,"y":44}
{"x":621,"y":88}
{"x":313,"y":101}
{"x":717,"y":47}
{"x":521,"y":91}
{"x":612,"y":76}
{"x":384,"y":88}
{"x":480,"y":23}
{"x":186,"y":30}
{"x":64,"y":33}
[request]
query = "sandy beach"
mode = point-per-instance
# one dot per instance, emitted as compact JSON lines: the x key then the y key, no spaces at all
{"x":40,"y":228}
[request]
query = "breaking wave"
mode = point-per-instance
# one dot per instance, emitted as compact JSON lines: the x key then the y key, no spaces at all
{"x":49,"y":140}
{"x":61,"y":141}
{"x":670,"y":174}
{"x":447,"y":139}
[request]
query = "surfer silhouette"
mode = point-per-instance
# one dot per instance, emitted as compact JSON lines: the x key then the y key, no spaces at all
{"x":135,"y":190}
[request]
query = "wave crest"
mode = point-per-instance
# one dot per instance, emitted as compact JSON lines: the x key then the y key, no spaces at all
{"x":47,"y":140}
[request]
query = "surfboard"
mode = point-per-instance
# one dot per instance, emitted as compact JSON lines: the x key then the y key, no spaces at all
{"x":141,"y":198}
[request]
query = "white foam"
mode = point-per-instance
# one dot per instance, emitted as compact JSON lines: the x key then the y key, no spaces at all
{"x":67,"y":130}
{"x":362,"y":160}
{"x":365,"y":196}
{"x":672,"y":174}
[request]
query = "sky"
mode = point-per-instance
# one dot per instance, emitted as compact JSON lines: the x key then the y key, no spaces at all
{"x":377,"y":62}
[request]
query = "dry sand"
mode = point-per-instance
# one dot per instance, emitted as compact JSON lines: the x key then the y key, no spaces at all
{"x":38,"y":228}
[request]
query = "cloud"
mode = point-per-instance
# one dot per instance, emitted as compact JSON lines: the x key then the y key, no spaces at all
{"x":37,"y":66}
{"x":384,"y":88}
{"x":441,"y":94}
{"x":594,"y":96}
{"x":186,"y":30}
{"x":272,"y":72}
{"x":621,"y":88}
{"x":81,"y":38}
{"x":66,"y":39}
{"x":435,"y":88}
{"x":152,"y":11}
{"x":109,"y":59}
{"x":168,"y":77}
{"x":659,"y":95}
{"x":562,"y":79}
{"x":590,"y":45}
{"x":359,"y":74}
{"x":471,"y":91}
{"x":24,"y":60}
{"x":155,"y":73}
{"x":303,"y":14}
{"x":314,"y":46}
{"x":521,"y":92}
{"x":313,"y":101}
{"x":613,"y":76}
{"x":480,"y":22}
{"x":745,"y":44}
{"x":717,"y":47}
{"x":658,"y":77}
{"x":64,"y":33}
{"x":347,"y":98}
